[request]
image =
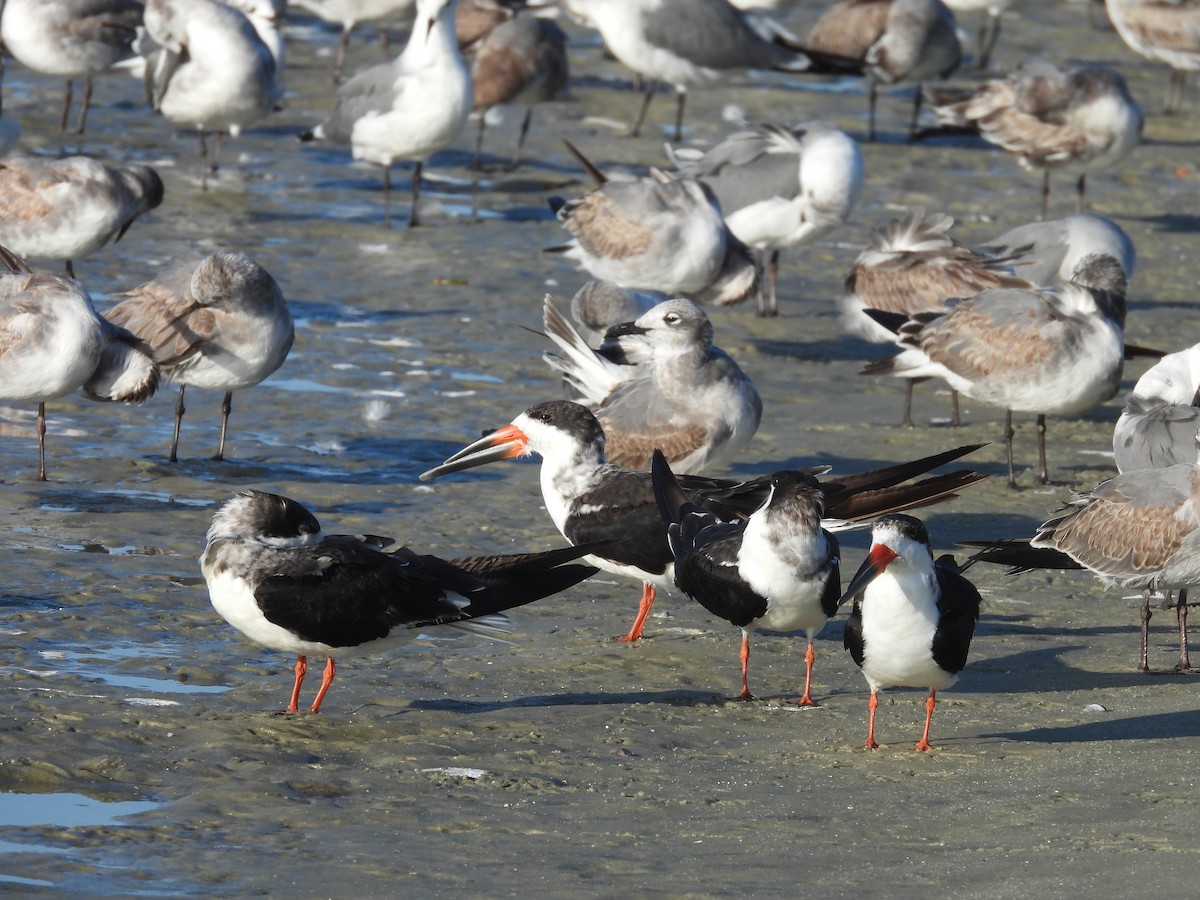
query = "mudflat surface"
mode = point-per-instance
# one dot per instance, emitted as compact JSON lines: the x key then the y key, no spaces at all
{"x":140,"y":747}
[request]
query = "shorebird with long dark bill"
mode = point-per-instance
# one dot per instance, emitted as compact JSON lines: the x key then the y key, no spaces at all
{"x":590,"y":499}
{"x":278,"y":579}
{"x":1080,"y":120}
{"x":658,"y":382}
{"x":659,"y":233}
{"x":913,"y":617}
{"x":1053,"y":350}
{"x":221,"y":323}
{"x":780,"y":188}
{"x":776,"y":569}
{"x":1165,"y":31}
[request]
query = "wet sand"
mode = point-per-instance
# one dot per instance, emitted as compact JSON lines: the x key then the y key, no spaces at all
{"x":563,"y":763}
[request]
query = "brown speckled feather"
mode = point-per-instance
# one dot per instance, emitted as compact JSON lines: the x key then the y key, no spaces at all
{"x":849,"y":27}
{"x":601,"y":231}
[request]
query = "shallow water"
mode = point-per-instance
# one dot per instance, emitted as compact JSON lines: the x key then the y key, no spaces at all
{"x":562,"y":762}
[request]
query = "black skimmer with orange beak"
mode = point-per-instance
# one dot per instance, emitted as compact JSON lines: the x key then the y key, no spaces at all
{"x":913,"y":618}
{"x":590,"y":499}
{"x":274,"y":576}
{"x":776,"y":569}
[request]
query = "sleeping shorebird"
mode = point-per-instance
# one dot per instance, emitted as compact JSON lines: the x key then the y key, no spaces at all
{"x":53,"y":342}
{"x":349,"y":13}
{"x":897,"y":41}
{"x":71,"y":38}
{"x":659,"y":233}
{"x":911,"y":267}
{"x":1053,"y":350}
{"x":590,"y":499}
{"x":276,"y":577}
{"x":658,"y":382}
{"x":211,"y":71}
{"x":781,"y":187}
{"x":220,"y":324}
{"x":1165,"y":31}
{"x":913,"y":617}
{"x":776,"y":569}
{"x":1082,"y":119}
{"x":407,"y":109}
{"x":69,"y":208}
{"x":1048,"y":252}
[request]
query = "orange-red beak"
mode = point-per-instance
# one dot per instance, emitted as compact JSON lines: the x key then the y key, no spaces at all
{"x":503,"y":443}
{"x":877,"y":560}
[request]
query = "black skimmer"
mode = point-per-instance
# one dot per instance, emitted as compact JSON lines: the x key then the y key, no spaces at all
{"x":1053,"y":350}
{"x":276,"y":577}
{"x":589,"y":499}
{"x":1080,"y":120}
{"x":69,"y":208}
{"x":1164,"y":32}
{"x":896,"y":41}
{"x":407,"y":109}
{"x":659,"y":233}
{"x":913,"y":618}
{"x":658,"y":382}
{"x":53,"y":342}
{"x":780,"y":188}
{"x":776,"y":569}
{"x":221,"y":323}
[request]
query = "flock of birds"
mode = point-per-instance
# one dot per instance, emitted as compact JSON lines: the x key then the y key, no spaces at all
{"x":1033,"y":321}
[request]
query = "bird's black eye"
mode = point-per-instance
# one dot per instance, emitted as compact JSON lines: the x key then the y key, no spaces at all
{"x":543,"y":416}
{"x":671,"y":318}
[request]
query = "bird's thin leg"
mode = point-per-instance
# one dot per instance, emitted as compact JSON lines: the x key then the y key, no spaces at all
{"x":62,"y":125}
{"x":180,"y":409}
{"x":923,"y":744}
{"x":809,"y":659}
{"x":1043,"y":470}
{"x":916,"y":114}
{"x":1045,"y":193}
{"x":387,"y":196}
{"x":41,"y":433}
{"x":525,"y":123}
{"x":987,"y":40}
{"x":872,"y":705}
{"x":414,"y":218}
{"x":772,"y":285}
{"x":1080,"y":190}
{"x":70,"y":269}
{"x":87,"y":102}
{"x":479,"y":141}
{"x":744,"y":656}
{"x":955,"y":419}
{"x":216,"y":157}
{"x":762,"y":287}
{"x":906,"y":420}
{"x":340,"y":58}
{"x":680,"y":102}
{"x":1008,"y":446}
{"x":385,"y":42}
{"x":1144,"y":644}
{"x":326,"y":681}
{"x":872,"y":96}
{"x":301,"y":669}
{"x":226,"y":409}
{"x":1175,"y":92}
{"x":1181,"y":613}
{"x":639,"y":623}
{"x":635,"y":127}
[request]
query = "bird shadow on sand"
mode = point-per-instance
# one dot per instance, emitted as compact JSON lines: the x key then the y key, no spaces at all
{"x":1155,"y":726}
{"x":1174,"y":223}
{"x":580,"y":698}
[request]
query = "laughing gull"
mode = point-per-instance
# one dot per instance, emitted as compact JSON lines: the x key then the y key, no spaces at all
{"x":989,"y":29}
{"x":913,"y":617}
{"x":1048,"y":252}
{"x":1057,"y":350}
{"x":658,"y":382}
{"x":599,"y":305}
{"x":407,"y":109}
{"x":1082,"y":119}
{"x":1166,"y":32}
{"x":211,"y":71}
{"x":69,"y":208}
{"x":897,"y":41}
{"x":220,"y":324}
{"x":777,"y":569}
{"x":278,"y":579}
{"x":781,"y":187}
{"x":589,"y":499}
{"x":71,"y":38}
{"x":53,"y":342}
{"x":349,"y":13}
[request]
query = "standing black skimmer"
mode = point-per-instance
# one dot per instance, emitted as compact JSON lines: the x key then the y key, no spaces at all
{"x":776,"y":569}
{"x":590,"y":499}
{"x":221,"y":324}
{"x":913,"y":618}
{"x":780,"y":188}
{"x":1080,"y":120}
{"x":658,"y":382}
{"x":274,"y":576}
{"x":1054,"y":350}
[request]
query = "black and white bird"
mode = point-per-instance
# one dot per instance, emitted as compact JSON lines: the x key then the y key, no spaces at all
{"x":276,"y":577}
{"x":658,"y":382}
{"x":776,"y":569}
{"x":590,"y":499}
{"x":913,"y":618}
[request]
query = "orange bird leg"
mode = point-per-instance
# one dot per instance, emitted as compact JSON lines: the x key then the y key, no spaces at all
{"x":326,"y":681}
{"x":872,"y":705}
{"x":745,"y":657}
{"x":635,"y":632}
{"x":301,"y":668}
{"x":809,"y":659}
{"x":923,"y":743}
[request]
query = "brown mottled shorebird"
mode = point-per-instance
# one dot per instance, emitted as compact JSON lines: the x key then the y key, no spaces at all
{"x":1165,"y":31}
